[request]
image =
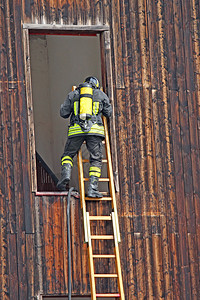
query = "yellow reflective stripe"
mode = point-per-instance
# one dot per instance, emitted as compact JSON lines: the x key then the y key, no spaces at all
{"x":95,"y":169}
{"x":95,"y":107}
{"x":73,"y":133}
{"x":76,"y":108}
{"x":94,"y":174}
{"x":76,"y":129}
{"x":95,"y":129}
{"x":67,"y":160}
{"x":67,"y":157}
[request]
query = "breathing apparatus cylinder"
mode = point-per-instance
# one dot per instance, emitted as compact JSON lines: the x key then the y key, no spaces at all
{"x":86,"y":101}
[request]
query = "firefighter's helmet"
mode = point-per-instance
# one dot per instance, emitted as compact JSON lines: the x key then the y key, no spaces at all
{"x":93,"y":81}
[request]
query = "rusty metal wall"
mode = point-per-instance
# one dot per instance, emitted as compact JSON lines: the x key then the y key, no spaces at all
{"x":156,"y":63}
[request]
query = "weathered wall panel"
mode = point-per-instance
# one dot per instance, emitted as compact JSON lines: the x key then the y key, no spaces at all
{"x":155,"y":64}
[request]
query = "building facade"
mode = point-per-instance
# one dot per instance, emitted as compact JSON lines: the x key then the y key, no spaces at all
{"x":149,"y":65}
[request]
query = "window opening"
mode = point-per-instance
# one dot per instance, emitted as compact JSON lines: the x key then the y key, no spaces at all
{"x":58,"y":62}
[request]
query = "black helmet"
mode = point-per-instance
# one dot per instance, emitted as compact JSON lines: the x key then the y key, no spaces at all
{"x":93,"y":81}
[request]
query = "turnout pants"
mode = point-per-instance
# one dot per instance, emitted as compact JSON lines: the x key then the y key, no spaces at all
{"x":94,"y":146}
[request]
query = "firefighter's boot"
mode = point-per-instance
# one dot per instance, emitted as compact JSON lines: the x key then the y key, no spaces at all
{"x":65,"y":177}
{"x":93,"y":188}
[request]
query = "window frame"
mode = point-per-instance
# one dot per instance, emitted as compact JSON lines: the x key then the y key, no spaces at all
{"x":107,"y":83}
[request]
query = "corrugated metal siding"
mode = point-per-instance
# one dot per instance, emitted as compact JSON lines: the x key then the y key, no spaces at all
{"x":156,"y":62}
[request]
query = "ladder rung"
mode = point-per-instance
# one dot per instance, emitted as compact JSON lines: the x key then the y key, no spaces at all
{"x":108,"y":295}
{"x":104,"y":160}
{"x":103,"y":256}
{"x":102,"y":237}
{"x":100,"y":199}
{"x":105,"y":275}
{"x":100,"y":179}
{"x":104,"y":179}
{"x":99,"y":218}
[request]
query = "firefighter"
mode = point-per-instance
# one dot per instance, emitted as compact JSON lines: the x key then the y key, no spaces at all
{"x":84,"y":106}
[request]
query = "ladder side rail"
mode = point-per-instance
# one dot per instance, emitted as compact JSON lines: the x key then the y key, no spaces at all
{"x":110,"y":174}
{"x":117,"y":259}
{"x":114,"y":217}
{"x":82,"y":193}
{"x":91,"y":261}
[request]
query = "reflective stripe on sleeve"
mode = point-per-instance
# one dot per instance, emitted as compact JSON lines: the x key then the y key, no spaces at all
{"x":76,"y":108}
{"x":95,"y":107}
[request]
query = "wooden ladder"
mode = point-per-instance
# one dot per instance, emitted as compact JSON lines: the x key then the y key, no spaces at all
{"x":87,"y":219}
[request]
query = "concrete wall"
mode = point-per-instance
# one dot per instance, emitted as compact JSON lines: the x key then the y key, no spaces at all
{"x":58,"y":63}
